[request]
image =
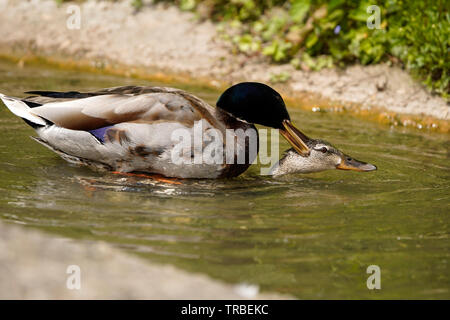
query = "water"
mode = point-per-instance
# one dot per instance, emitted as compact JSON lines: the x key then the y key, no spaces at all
{"x":311,"y":236}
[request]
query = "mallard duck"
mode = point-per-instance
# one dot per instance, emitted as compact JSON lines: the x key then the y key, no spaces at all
{"x":129,"y":129}
{"x":322,"y":156}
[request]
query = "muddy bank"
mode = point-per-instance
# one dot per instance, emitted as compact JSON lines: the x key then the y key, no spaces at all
{"x":33,"y":266}
{"x":166,"y":43}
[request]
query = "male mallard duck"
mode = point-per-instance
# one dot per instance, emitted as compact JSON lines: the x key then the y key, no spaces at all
{"x":130,"y":128}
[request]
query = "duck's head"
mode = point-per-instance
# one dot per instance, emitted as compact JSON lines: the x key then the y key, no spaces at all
{"x":258,"y":103}
{"x":321,"y":156}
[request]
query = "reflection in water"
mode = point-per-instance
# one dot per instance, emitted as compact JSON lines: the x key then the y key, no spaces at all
{"x":312,"y":236}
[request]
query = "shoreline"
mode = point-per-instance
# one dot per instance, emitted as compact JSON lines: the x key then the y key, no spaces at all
{"x":36,"y":263}
{"x":164,"y":44}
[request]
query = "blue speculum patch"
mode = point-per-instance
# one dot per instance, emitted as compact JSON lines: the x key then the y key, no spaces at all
{"x":100,"y":133}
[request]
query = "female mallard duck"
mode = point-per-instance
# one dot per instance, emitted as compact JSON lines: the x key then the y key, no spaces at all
{"x":130,"y":129}
{"x":322,"y":156}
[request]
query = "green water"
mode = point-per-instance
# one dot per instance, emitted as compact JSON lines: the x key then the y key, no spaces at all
{"x":311,"y":236}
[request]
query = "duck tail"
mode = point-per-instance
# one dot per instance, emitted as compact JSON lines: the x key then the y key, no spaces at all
{"x":21,"y":109}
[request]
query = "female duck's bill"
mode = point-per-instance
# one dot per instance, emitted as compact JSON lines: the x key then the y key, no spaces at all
{"x":349,"y":163}
{"x":314,"y":155}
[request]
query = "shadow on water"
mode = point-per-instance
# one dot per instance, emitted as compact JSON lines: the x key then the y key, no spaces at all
{"x":312,"y":236}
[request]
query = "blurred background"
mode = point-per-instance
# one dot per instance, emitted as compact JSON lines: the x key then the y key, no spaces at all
{"x":311,"y":34}
{"x":371,"y":78}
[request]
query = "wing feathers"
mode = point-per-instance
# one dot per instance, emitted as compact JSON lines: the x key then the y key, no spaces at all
{"x":105,"y":109}
{"x":92,"y":110}
{"x":61,"y":95}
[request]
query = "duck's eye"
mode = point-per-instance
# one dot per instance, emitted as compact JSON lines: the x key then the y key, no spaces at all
{"x":322,"y":149}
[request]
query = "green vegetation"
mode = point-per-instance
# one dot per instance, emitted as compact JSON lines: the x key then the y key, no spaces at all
{"x":316,"y":34}
{"x":313,"y":34}
{"x":138,"y":4}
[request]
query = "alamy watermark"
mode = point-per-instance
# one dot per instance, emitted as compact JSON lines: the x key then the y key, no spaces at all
{"x":73,"y":22}
{"x":73,"y":281}
{"x":373,"y":22}
{"x":203,"y":144}
{"x":374,"y":280}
